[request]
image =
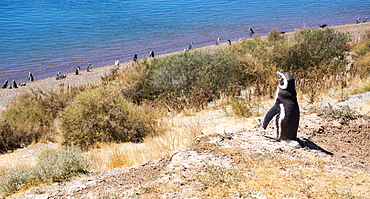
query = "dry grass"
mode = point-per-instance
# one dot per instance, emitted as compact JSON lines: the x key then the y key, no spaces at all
{"x":178,"y":134}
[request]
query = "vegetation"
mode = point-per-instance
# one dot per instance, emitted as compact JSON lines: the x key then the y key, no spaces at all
{"x":127,"y":105}
{"x":102,"y":114}
{"x":53,"y":166}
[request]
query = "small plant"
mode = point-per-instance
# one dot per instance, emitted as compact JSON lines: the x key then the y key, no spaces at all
{"x":242,"y":108}
{"x":343,"y":115}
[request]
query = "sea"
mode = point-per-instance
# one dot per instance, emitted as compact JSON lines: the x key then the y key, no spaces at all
{"x":45,"y":37}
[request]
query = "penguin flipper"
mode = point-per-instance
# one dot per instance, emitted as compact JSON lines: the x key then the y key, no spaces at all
{"x":274,"y":110}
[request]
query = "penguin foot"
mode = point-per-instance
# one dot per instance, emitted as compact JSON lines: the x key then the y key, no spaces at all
{"x":292,"y":143}
{"x":271,"y":137}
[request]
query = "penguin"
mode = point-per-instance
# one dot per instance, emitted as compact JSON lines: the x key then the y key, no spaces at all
{"x":323,"y":25}
{"x":89,"y":67}
{"x":135,"y":58}
{"x":251,"y":32}
{"x":30,"y":77}
{"x":365,"y":20}
{"x":14,"y":84}
{"x":151,"y":54}
{"x":5,"y":85}
{"x":358,"y":20}
{"x":229,"y":42}
{"x":285,"y":110}
{"x":116,"y":62}
{"x":77,"y":71}
{"x":218,"y":41}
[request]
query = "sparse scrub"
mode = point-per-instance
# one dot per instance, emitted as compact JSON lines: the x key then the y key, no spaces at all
{"x":343,"y":114}
{"x":53,"y":166}
{"x":102,"y":114}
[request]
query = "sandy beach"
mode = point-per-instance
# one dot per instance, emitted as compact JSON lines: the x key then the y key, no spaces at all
{"x":87,"y":78}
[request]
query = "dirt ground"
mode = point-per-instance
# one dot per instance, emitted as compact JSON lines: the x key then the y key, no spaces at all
{"x":343,"y":145}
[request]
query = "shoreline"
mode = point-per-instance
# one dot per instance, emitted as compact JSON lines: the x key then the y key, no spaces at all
{"x":358,"y":31}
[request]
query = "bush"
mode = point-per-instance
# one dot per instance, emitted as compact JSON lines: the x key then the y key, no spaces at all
{"x":30,"y":117}
{"x":23,"y":126}
{"x":53,"y":166}
{"x":312,"y":48}
{"x":186,"y":76}
{"x":102,"y":114}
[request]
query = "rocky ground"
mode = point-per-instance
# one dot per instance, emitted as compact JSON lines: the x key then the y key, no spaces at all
{"x":339,"y":143}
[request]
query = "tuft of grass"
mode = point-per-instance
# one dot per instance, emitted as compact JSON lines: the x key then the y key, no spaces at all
{"x":53,"y":166}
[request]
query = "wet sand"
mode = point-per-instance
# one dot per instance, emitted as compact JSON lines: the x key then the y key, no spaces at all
{"x":358,"y":32}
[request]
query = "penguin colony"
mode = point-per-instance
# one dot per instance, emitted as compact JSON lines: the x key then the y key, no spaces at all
{"x":285,"y":109}
{"x":135,"y":58}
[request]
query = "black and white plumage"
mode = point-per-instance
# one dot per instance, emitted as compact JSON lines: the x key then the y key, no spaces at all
{"x":323,"y":25}
{"x":77,"y":70}
{"x":358,"y":20}
{"x":285,"y":110}
{"x":30,"y":77}
{"x":135,"y":58}
{"x":151,"y":54}
{"x":89,"y":67}
{"x":365,"y":20}
{"x":116,"y":62}
{"x":14,"y":84}
{"x":218,"y":41}
{"x":5,"y":85}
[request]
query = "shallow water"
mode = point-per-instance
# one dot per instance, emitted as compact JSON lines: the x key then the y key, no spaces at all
{"x":47,"y":36}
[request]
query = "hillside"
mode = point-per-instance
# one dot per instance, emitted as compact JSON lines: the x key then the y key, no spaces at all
{"x":155,"y":129}
{"x":233,"y":159}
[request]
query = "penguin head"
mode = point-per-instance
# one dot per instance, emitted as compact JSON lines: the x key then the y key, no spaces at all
{"x":286,"y":81}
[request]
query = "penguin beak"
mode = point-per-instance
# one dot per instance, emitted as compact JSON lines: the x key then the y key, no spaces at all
{"x":281,"y":77}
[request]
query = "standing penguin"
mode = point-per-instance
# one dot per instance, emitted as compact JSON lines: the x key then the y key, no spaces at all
{"x":285,"y":109}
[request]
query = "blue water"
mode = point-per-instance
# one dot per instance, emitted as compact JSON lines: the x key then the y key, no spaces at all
{"x":47,"y":36}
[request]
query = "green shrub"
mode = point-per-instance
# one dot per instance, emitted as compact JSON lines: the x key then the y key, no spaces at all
{"x":23,"y":126}
{"x":312,"y":48}
{"x":102,"y":114}
{"x":53,"y":166}
{"x":187,"y":75}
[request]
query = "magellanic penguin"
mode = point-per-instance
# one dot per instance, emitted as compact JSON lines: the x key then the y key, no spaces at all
{"x":285,"y":109}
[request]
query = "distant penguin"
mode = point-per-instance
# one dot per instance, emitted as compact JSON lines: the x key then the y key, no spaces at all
{"x":116,"y":62}
{"x":365,"y":20}
{"x":14,"y":84}
{"x":251,"y":32}
{"x":358,"y":20}
{"x":77,"y":70}
{"x":30,"y":77}
{"x":135,"y":58}
{"x":285,"y":110}
{"x":151,"y":54}
{"x":190,"y":46}
{"x":229,"y":41}
{"x":218,"y":41}
{"x":323,"y":25}
{"x":89,"y":67}
{"x":5,"y":85}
